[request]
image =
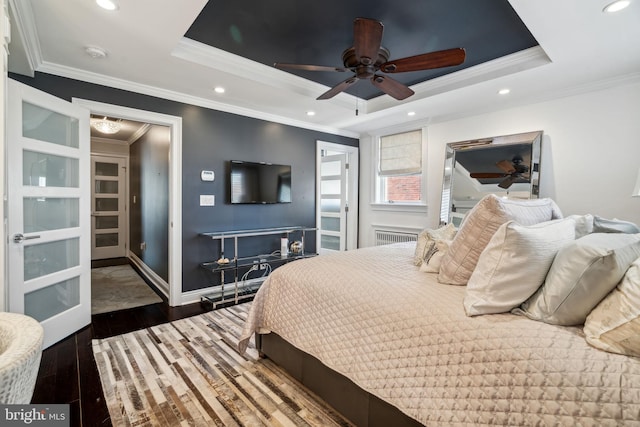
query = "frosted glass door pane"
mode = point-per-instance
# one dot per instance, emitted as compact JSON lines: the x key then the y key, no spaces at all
{"x":106,"y":239}
{"x":45,"y":125}
{"x":50,"y":213}
{"x":331,"y":168}
{"x":330,"y":223}
{"x":108,"y":205}
{"x":106,"y":222}
{"x":330,"y":187}
{"x":46,"y":258}
{"x":106,"y":187}
{"x":330,"y":205}
{"x":106,"y":169}
{"x":47,"y":302}
{"x":47,"y":170}
{"x":330,"y":242}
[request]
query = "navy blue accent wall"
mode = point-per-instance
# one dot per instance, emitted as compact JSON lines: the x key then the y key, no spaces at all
{"x":210,"y":139}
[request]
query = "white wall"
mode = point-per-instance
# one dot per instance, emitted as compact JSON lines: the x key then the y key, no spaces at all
{"x":590,"y":155}
{"x":4,"y":33}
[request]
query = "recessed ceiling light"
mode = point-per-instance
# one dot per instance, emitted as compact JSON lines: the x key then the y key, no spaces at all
{"x":311,"y":113}
{"x":504,"y":91}
{"x":616,"y":6}
{"x":107,"y":4}
{"x":411,"y":113}
{"x":219,"y":89}
{"x":95,"y":52}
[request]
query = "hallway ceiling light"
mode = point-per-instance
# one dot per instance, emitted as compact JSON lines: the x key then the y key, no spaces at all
{"x":106,"y":126}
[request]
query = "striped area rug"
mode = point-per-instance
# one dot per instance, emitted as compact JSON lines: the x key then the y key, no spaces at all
{"x":188,"y":373}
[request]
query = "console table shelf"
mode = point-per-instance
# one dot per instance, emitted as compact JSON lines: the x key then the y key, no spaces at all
{"x":239,"y":289}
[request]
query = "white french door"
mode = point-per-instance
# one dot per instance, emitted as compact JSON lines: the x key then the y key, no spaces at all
{"x":108,"y":214}
{"x":48,"y":212}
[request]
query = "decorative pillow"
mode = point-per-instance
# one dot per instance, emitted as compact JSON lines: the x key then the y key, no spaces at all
{"x":603,"y":225}
{"x":581,"y":275}
{"x":614,"y":325}
{"x":427,"y":239}
{"x":432,"y":264}
{"x":480,"y":225}
{"x":584,"y":224}
{"x":514,"y":264}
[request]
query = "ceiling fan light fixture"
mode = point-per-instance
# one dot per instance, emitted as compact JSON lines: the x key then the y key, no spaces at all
{"x":616,"y":6}
{"x":106,"y":126}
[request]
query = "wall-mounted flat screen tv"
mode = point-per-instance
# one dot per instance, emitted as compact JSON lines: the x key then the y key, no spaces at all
{"x":261,"y":183}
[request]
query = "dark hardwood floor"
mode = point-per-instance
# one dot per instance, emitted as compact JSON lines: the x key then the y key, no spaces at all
{"x":68,"y":372}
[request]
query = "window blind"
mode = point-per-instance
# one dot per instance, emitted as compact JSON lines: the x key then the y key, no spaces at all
{"x":401,"y":154}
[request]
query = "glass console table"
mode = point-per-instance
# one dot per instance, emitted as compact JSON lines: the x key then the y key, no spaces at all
{"x":240,"y":288}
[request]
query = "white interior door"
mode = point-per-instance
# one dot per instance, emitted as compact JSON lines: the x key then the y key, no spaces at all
{"x":336,"y":197}
{"x":333,"y":208}
{"x":108,"y":207}
{"x":48,"y":214}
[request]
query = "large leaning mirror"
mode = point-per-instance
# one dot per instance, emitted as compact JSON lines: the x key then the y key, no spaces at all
{"x":507,"y":166}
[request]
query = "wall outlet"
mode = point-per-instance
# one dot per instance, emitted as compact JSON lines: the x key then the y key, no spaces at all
{"x":143,"y":246}
{"x":263,"y":264}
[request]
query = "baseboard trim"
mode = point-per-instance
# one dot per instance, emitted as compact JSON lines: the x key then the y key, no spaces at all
{"x":150,"y":275}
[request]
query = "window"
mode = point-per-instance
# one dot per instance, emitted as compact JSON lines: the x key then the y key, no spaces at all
{"x":399,"y":172}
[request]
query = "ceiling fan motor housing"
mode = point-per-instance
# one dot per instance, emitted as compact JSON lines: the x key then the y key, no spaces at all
{"x":364,"y":71}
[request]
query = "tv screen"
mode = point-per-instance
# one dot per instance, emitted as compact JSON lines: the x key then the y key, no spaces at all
{"x":259,"y":182}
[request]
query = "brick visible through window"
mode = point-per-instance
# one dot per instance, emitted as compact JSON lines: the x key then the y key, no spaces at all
{"x":403,"y":188}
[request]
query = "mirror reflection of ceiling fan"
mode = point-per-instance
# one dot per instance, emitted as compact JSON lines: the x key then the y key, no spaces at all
{"x":367,"y":58}
{"x":513,"y":169}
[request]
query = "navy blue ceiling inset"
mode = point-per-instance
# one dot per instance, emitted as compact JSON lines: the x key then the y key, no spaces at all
{"x":317,"y":32}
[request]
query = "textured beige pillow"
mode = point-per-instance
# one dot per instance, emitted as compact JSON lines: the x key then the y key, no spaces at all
{"x":427,"y":239}
{"x":480,"y":225}
{"x":581,"y":275}
{"x":432,"y":265}
{"x":614,"y":325}
{"x":514,"y":264}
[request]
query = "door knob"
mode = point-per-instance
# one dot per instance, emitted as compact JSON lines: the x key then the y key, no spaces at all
{"x":19,"y":237}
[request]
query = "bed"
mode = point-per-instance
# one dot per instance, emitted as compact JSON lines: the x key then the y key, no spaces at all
{"x":402,"y":338}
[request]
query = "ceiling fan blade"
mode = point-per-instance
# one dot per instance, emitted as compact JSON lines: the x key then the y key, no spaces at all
{"x":506,"y":165}
{"x":391,"y":87}
{"x":281,"y":65}
{"x":367,"y":38}
{"x":482,"y":175}
{"x":506,"y":183}
{"x":426,"y":61}
{"x":338,"y":88}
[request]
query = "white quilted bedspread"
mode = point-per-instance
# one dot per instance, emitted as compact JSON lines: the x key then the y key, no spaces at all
{"x":399,"y":334}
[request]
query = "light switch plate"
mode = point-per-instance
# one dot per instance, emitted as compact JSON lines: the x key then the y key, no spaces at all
{"x":207,"y":200}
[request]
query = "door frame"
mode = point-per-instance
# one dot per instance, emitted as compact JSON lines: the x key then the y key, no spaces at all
{"x":352,"y":184}
{"x":175,"y":187}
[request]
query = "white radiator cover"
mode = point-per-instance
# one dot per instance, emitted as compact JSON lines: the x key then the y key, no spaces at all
{"x":386,"y":236}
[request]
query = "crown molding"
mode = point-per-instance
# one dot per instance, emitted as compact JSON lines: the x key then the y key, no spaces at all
{"x":218,"y":59}
{"x":101,"y":79}
{"x":25,"y":27}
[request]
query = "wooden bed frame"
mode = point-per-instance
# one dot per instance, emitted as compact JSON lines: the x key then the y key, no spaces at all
{"x":359,"y":406}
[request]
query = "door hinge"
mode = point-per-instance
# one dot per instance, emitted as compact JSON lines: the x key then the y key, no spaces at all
{"x":346,"y":165}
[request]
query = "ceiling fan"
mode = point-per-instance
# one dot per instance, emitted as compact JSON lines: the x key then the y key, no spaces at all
{"x":367,"y":57}
{"x":513,"y":169}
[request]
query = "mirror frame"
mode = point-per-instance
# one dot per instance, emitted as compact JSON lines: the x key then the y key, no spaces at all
{"x":534,"y":138}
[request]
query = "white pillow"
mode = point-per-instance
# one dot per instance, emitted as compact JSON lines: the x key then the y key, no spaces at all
{"x":427,"y":239}
{"x":480,"y":225}
{"x":514,"y":264}
{"x":582,"y":274}
{"x":614,"y":325}
{"x":584,"y":224}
